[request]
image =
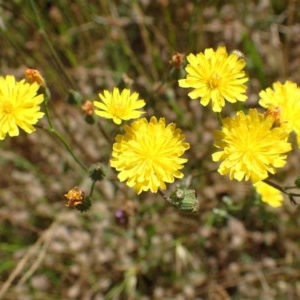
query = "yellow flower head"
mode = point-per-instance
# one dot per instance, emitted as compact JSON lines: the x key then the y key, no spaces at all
{"x":251,"y":146}
{"x":269,"y":194}
{"x":19,"y":106}
{"x":148,"y":154}
{"x":284,"y":98}
{"x":119,"y":106}
{"x":215,"y":76}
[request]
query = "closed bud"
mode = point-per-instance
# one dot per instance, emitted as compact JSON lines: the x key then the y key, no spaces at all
{"x":185,"y":199}
{"x":88,"y":108}
{"x":89,"y":119}
{"x":74,"y":97}
{"x":297,"y":182}
{"x":177,"y":60}
{"x":33,"y":75}
{"x":76,"y":198}
{"x":85,"y":205}
{"x":96,"y":172}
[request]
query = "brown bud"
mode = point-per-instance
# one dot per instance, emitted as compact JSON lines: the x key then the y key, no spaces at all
{"x":33,"y":75}
{"x":74,"y":197}
{"x":177,"y":60}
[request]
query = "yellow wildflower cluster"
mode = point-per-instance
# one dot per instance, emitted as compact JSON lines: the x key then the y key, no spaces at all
{"x":148,"y":154}
{"x":250,"y":146}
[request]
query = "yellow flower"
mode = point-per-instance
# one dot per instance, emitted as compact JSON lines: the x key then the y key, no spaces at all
{"x":119,"y":106}
{"x":215,"y":76}
{"x":269,"y":194}
{"x":251,"y":146}
{"x":285,"y":100}
{"x":148,"y":155}
{"x":19,"y":106}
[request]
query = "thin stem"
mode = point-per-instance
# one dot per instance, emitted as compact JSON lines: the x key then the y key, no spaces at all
{"x":283,"y":190}
{"x":290,"y":187}
{"x":168,"y":199}
{"x":104,"y":133}
{"x":276,"y":186}
{"x":219,"y":119}
{"x":92,"y":188}
{"x":54,"y":132}
{"x":47,"y":111}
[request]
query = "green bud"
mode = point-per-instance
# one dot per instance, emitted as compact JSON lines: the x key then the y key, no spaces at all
{"x":96,"y":172}
{"x":185,"y":199}
{"x":297,"y":182}
{"x":85,"y":205}
{"x":74,"y":97}
{"x":89,"y":119}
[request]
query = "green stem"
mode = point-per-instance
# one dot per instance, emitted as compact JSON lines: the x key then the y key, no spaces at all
{"x":281,"y":189}
{"x":168,"y":199}
{"x":54,"y":132}
{"x":276,"y":186}
{"x":220,"y":119}
{"x":290,"y":187}
{"x":47,"y":111}
{"x":106,"y":136}
{"x":92,"y":188}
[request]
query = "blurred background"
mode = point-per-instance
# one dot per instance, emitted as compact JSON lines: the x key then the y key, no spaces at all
{"x":128,"y":246}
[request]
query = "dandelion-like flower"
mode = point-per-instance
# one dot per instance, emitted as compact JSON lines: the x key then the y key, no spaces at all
{"x":251,"y":146}
{"x":269,"y":194}
{"x":118,"y":106}
{"x":19,"y":106}
{"x":215,"y":76}
{"x":284,"y":101}
{"x":148,"y":155}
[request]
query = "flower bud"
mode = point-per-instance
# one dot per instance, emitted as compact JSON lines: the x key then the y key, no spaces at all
{"x":96,"y":172}
{"x":74,"y":97}
{"x":177,"y":60}
{"x":88,"y":108}
{"x":76,"y":198}
{"x":185,"y":199}
{"x":297,"y":182}
{"x":32,"y":76}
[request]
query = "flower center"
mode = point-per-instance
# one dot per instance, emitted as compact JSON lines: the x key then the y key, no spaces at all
{"x":7,"y":107}
{"x":119,"y":110}
{"x":214,"y":81}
